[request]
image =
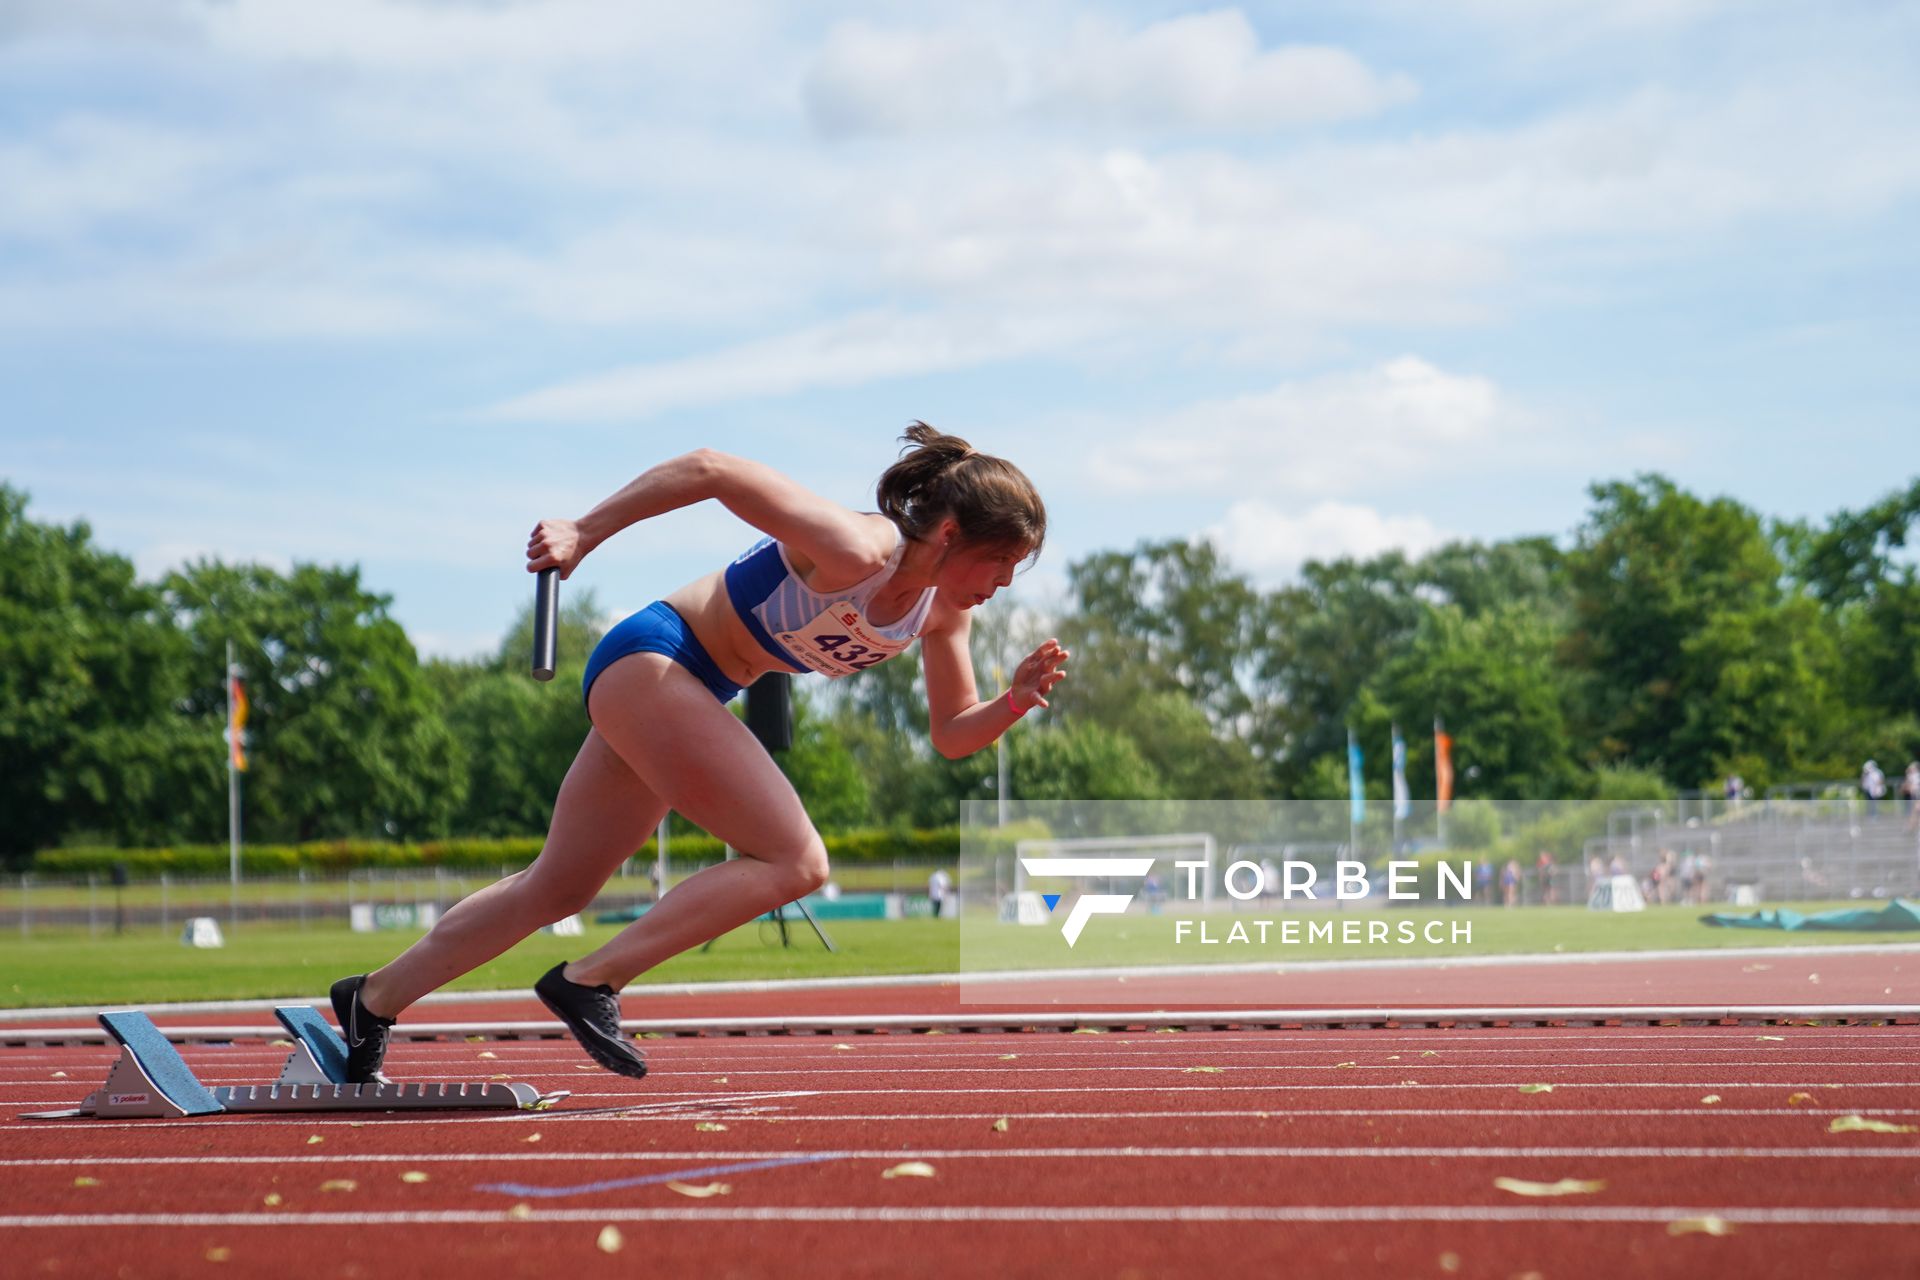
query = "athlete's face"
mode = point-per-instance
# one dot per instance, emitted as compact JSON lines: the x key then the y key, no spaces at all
{"x":969,"y":575}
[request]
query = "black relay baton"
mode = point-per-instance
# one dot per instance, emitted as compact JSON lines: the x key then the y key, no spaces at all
{"x":546,"y":622}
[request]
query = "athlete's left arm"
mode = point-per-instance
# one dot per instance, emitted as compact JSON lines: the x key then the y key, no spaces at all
{"x":960,"y":723}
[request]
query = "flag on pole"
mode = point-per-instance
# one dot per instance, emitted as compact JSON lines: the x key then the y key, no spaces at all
{"x":236,"y":722}
{"x":1402,"y":799}
{"x":1442,"y":767}
{"x":1356,"y":796}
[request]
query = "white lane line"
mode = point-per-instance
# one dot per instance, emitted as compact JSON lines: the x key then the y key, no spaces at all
{"x":625,"y":1115}
{"x":1165,"y":1047}
{"x":1181,"y":1067}
{"x":1861,"y":1216}
{"x":1010,"y":1153}
{"x":1509,"y":1086}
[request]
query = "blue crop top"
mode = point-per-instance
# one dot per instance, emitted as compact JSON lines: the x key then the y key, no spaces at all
{"x":812,"y":631}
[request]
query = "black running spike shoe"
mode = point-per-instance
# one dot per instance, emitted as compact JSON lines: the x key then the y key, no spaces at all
{"x":365,"y":1034}
{"x":593,"y":1015}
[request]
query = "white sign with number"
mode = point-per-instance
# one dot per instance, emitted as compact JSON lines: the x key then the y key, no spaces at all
{"x":840,"y":641}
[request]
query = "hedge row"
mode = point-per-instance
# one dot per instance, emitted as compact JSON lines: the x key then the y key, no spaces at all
{"x":327,"y":857}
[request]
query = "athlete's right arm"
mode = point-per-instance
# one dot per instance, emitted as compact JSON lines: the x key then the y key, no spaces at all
{"x":825,"y":532}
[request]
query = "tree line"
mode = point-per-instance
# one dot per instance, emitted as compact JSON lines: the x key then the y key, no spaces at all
{"x":1679,"y":637}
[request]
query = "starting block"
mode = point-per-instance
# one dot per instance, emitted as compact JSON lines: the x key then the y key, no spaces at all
{"x":152,"y":1081}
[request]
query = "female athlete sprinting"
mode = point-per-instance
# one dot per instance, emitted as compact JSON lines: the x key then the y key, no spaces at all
{"x":828,"y":590}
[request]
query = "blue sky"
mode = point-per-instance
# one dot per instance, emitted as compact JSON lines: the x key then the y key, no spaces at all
{"x":385,"y":281}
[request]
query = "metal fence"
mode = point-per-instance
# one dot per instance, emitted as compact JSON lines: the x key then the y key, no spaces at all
{"x":94,"y":904}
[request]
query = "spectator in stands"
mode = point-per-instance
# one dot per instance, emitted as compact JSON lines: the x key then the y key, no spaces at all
{"x":1664,"y":877}
{"x":1702,"y":864}
{"x":1874,"y":784}
{"x":1736,"y":790}
{"x":1910,"y":793}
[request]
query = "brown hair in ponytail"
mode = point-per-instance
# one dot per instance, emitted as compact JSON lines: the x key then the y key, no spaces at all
{"x":940,"y":475}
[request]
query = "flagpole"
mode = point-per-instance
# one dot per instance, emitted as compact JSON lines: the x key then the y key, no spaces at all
{"x":233,"y":801}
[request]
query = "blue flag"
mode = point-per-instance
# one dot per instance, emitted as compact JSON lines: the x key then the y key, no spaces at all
{"x":1402,"y":798}
{"x":1356,"y":794}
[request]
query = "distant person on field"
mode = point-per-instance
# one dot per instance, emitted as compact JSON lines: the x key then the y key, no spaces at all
{"x":1510,"y":883}
{"x":939,"y":885}
{"x":1874,"y":784}
{"x":1543,"y":869}
{"x":1910,"y":793}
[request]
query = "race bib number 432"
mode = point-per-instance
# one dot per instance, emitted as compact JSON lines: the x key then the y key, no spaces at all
{"x":838,"y":642}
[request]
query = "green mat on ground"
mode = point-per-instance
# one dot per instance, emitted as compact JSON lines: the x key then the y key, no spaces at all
{"x":1898,"y":914}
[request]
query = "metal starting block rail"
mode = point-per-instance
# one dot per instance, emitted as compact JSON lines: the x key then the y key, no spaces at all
{"x":151,"y":1080}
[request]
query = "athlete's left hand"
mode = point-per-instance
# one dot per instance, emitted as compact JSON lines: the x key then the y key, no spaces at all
{"x":1036,"y":675}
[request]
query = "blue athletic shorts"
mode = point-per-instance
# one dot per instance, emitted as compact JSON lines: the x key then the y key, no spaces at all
{"x":658,"y":629}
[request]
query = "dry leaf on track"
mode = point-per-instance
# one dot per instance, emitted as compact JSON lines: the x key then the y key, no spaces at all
{"x":1564,"y":1187}
{"x":610,"y":1239}
{"x":709,"y":1126}
{"x":1860,"y":1124}
{"x":700,"y":1192}
{"x":910,"y":1169}
{"x":1707,"y":1226}
{"x":1536,"y":1088}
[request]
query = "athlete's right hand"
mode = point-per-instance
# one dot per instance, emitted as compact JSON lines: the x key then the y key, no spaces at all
{"x":555,"y":544}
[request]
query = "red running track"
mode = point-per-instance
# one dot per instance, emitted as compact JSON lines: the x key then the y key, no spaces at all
{"x":1146,"y":1155}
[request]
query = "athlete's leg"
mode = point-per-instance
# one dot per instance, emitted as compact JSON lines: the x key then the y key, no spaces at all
{"x":602,"y":814}
{"x":693,"y":752}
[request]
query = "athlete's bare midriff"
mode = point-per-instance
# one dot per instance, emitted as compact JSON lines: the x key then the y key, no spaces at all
{"x":709,"y":613}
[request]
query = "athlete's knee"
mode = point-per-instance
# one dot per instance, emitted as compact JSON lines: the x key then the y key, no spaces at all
{"x":809,"y":870}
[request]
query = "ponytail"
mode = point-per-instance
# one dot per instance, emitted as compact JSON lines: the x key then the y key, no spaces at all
{"x":939,"y":475}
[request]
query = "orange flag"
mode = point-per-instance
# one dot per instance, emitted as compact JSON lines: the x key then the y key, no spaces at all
{"x":1442,"y":767}
{"x":237,"y":723}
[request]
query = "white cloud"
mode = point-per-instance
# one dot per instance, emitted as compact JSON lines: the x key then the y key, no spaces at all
{"x":1208,"y":71}
{"x":865,"y":80}
{"x":1331,"y":434}
{"x":1270,"y":544}
{"x":1197,"y":71}
{"x":845,"y":353}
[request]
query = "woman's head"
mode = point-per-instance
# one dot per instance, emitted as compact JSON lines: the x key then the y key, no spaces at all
{"x":984,"y":512}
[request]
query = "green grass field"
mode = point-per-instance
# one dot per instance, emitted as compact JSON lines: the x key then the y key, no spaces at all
{"x":70,"y":967}
{"x":1149,"y":940}
{"x":262,"y":961}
